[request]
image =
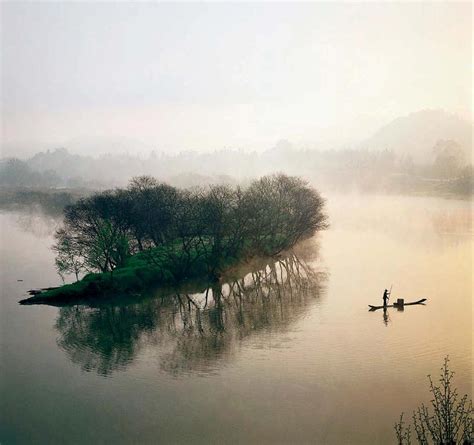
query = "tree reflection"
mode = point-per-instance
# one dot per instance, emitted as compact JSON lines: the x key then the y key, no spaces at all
{"x":191,"y":332}
{"x":105,"y":338}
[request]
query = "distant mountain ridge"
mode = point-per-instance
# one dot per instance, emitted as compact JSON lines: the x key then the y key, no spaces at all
{"x":417,"y":133}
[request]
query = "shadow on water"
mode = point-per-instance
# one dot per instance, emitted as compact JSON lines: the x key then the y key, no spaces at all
{"x":386,"y":318}
{"x":191,"y":332}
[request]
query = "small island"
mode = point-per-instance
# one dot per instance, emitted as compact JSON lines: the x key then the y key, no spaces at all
{"x":150,"y":234}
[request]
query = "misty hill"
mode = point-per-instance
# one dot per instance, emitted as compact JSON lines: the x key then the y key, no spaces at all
{"x":417,"y":133}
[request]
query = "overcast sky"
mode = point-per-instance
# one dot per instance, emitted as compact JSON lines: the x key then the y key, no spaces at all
{"x":208,"y":76}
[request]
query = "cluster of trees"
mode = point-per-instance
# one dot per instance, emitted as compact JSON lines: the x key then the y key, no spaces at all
{"x":17,"y":173}
{"x":179,"y":228}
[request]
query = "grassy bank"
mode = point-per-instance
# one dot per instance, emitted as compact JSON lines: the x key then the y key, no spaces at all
{"x":163,"y":266}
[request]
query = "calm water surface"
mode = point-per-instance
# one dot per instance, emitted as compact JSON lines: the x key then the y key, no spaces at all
{"x":284,"y":353}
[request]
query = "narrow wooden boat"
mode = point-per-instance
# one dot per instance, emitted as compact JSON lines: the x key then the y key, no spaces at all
{"x":374,"y":308}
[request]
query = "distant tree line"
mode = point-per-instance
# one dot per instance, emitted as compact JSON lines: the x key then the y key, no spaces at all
{"x":186,"y":227}
{"x":49,"y":201}
{"x":445,"y":170}
{"x":17,"y":173}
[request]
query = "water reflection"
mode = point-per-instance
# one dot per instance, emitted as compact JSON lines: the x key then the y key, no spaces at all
{"x":39,"y":224}
{"x":386,"y":318}
{"x":191,"y":332}
{"x":457,"y":222}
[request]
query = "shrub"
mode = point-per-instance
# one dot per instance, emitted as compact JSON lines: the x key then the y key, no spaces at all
{"x":450,"y":421}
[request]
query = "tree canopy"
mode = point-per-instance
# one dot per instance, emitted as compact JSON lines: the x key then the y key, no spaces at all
{"x":204,"y":226}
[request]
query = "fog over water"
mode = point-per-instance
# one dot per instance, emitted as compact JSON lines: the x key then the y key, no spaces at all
{"x":155,"y":119}
{"x":304,"y":351}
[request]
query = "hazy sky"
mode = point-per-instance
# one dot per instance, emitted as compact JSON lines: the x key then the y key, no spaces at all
{"x":206,"y":76}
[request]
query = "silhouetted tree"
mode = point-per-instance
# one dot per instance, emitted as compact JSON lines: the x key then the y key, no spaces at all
{"x":282,"y":211}
{"x":450,"y":421}
{"x":99,"y":233}
{"x":223,"y":222}
{"x":151,"y":211}
{"x":199,"y":230}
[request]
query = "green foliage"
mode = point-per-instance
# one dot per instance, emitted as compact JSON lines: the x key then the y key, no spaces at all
{"x":138,"y":274}
{"x":69,"y":257}
{"x":152,"y":233}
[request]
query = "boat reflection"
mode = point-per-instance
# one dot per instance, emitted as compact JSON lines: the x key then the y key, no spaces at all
{"x":191,"y":331}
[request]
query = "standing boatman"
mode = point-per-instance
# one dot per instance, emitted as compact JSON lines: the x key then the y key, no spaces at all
{"x":385,"y":297}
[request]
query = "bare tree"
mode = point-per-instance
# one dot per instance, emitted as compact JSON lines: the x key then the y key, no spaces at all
{"x":283,"y":210}
{"x":450,"y":421}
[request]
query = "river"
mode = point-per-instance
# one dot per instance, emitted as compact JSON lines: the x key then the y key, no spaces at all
{"x":286,"y":354}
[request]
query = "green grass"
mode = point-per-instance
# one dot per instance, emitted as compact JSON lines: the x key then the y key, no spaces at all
{"x":168,"y":266}
{"x":162,"y":266}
